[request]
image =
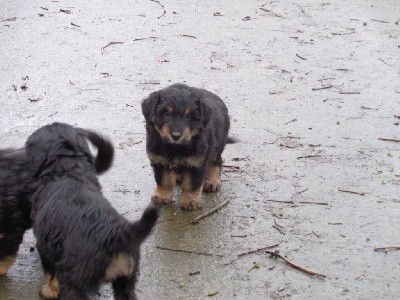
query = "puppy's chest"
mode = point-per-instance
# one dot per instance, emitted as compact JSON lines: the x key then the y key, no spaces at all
{"x":190,"y":161}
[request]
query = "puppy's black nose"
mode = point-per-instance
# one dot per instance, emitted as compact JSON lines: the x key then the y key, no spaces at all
{"x":175,"y":135}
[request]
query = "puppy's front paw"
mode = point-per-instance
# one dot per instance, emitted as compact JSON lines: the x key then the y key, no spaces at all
{"x":190,"y":201}
{"x":162,"y":195}
{"x":211,"y":186}
{"x":160,"y":200}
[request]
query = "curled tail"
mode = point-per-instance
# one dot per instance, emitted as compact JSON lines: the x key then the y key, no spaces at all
{"x":105,"y":151}
{"x":140,"y":229}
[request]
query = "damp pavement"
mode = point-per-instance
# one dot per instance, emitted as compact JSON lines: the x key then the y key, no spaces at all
{"x":313,"y":91}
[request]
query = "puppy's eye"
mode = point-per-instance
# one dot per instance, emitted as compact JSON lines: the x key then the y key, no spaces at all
{"x":167,"y":114}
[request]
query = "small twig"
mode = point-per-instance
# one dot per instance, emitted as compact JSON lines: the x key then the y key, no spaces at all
{"x":250,"y":252}
{"x":162,"y":6}
{"x":109,"y":44}
{"x":308,"y":156}
{"x":280,"y":228}
{"x":209,"y":212}
{"x":369,"y":108}
{"x":317,"y":203}
{"x":317,"y":235}
{"x":66,"y":11}
{"x":343,"y":33}
{"x":279,"y":201}
{"x":298,"y":193}
{"x":257,"y":250}
{"x":291,"y":121}
{"x":302,"y":202}
{"x":239,"y":236}
{"x":276,"y":254}
{"x":271,"y":12}
{"x":335,"y":223}
{"x":73,"y":24}
{"x":188,"y":36}
{"x":303,"y":58}
{"x":322,"y":88}
{"x":352,"y":192}
{"x":286,"y":146}
{"x":146,"y":38}
{"x":188,"y":251}
{"x":9,"y":19}
{"x":387,"y":248}
{"x":194,"y":273}
{"x":231,"y":167}
{"x":389,"y":140}
{"x":349,"y":93}
{"x":386,"y":22}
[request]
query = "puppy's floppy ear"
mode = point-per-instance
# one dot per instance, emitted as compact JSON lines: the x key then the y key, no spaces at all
{"x":35,"y":155}
{"x":149,"y":105}
{"x":205,"y":113}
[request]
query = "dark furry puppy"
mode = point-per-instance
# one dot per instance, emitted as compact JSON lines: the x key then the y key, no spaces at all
{"x":81,"y":239}
{"x":15,"y":190}
{"x":187,"y":129}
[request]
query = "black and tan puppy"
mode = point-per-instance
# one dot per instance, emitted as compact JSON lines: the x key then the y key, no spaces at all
{"x":81,"y":239}
{"x":15,"y":191}
{"x":187,"y":129}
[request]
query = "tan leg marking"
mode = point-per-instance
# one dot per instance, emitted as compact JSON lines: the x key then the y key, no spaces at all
{"x":163,"y":193}
{"x":190,"y":200}
{"x":50,"y":288}
{"x":6,"y":264}
{"x":121,"y":265}
{"x":213,"y":182}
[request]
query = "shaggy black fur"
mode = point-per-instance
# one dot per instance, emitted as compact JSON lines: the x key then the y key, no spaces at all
{"x":187,"y":129}
{"x":81,"y":238}
{"x":15,"y":190}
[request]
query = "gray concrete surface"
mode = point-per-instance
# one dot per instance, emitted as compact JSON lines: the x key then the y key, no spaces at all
{"x":311,"y":87}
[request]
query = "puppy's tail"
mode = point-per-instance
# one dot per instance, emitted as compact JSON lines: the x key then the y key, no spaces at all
{"x":231,"y":140}
{"x":105,"y":151}
{"x":139,"y":230}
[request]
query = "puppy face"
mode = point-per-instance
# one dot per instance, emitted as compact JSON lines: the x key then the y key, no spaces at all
{"x":177,"y":123}
{"x":177,"y":114}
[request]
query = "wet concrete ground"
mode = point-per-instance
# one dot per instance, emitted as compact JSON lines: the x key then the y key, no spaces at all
{"x":311,"y":87}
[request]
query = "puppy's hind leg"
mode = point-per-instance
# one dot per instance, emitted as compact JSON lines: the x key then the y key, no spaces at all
{"x":9,"y":245}
{"x":212,"y":182}
{"x":50,"y":288}
{"x":6,"y":263}
{"x":75,"y":288}
{"x":166,"y":180}
{"x":124,"y":287}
